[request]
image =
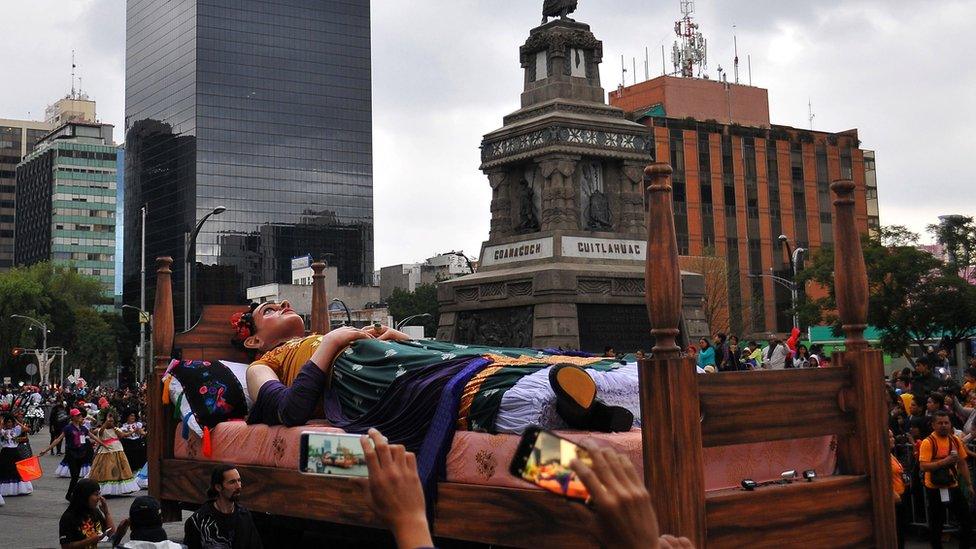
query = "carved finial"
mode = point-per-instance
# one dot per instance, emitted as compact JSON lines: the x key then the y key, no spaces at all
{"x":662,"y":276}
{"x":163,"y":264}
{"x":850,"y":273}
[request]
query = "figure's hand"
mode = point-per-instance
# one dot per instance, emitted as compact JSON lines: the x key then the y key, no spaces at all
{"x":621,"y":502}
{"x":386,"y":333}
{"x":394,"y":491}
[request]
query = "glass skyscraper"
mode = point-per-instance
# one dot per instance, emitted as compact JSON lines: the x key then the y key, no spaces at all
{"x":263,"y":107}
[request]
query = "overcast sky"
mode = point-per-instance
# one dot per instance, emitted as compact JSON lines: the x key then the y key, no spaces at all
{"x":446,"y":72}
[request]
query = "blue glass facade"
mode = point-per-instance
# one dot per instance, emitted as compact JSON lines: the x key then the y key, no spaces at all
{"x":263,"y":107}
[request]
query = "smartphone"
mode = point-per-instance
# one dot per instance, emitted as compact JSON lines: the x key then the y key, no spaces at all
{"x":543,"y":459}
{"x":336,"y":454}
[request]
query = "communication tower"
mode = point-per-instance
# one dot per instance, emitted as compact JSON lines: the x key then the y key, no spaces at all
{"x":690,"y":50}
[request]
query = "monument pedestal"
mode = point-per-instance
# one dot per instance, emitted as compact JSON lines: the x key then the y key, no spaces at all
{"x":564,"y":262}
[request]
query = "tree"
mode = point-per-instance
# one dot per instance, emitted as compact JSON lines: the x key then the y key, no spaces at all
{"x":423,"y":299}
{"x":715,"y":302}
{"x":957,"y":235}
{"x":913,"y":296}
{"x":56,"y":296}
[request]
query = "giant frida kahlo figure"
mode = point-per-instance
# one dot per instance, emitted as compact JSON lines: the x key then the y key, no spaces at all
{"x":378,"y":377}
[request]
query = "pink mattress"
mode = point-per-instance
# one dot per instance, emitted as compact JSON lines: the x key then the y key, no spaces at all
{"x":480,"y":458}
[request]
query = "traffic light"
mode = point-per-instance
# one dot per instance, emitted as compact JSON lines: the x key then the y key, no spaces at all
{"x":16,"y":351}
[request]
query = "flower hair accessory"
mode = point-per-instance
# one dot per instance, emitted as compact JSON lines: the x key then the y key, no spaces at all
{"x":243,"y":323}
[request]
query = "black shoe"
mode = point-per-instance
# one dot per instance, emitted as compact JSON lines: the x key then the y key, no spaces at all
{"x":577,"y":404}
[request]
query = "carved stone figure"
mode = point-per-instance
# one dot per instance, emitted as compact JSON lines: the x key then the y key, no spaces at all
{"x":558,"y":8}
{"x":599,"y":216}
{"x":528,"y":220}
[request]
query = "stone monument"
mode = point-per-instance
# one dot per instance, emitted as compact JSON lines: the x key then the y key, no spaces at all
{"x":564,"y":262}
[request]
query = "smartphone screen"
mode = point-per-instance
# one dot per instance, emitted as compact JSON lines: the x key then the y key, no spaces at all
{"x":543,"y":459}
{"x":332,"y":454}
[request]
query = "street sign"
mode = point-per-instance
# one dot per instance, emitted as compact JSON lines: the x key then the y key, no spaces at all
{"x":31,"y":369}
{"x":77,"y":372}
{"x":143,"y":317}
{"x":71,"y":379}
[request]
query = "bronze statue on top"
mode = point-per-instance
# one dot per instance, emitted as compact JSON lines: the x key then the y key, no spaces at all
{"x":558,"y":8}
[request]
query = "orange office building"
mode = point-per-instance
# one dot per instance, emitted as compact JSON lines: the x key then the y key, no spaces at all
{"x":740,"y":182}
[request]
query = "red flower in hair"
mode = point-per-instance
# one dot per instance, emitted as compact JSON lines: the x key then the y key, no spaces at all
{"x":240,"y":325}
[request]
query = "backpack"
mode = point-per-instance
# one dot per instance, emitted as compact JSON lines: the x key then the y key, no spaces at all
{"x":946,"y":476}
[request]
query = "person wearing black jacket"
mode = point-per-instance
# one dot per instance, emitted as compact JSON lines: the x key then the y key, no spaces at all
{"x":56,"y":422}
{"x":222,"y":522}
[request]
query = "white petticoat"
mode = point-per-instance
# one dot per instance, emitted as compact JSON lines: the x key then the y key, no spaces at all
{"x":63,"y":471}
{"x":119,"y":487}
{"x":16,"y":488}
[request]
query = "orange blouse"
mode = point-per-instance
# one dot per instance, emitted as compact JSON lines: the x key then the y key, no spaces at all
{"x":287,"y":359}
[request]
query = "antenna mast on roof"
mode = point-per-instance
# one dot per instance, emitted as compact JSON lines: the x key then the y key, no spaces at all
{"x":72,"y":74}
{"x":810,"y":108}
{"x":690,"y":50}
{"x":735,"y":62}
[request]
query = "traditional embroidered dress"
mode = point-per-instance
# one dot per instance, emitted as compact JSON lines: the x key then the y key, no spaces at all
{"x":134,"y":445}
{"x":110,"y":468}
{"x":10,"y":482}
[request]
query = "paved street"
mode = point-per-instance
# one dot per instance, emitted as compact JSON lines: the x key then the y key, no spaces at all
{"x":32,"y":521}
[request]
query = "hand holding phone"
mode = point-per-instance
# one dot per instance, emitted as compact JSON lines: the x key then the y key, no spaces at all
{"x":338,"y":454}
{"x":543,"y":459}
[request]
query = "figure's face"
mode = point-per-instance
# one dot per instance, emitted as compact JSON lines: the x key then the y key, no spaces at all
{"x":931,"y":405}
{"x":942,"y":426}
{"x":702,"y":343}
{"x":131,"y":418}
{"x":274,"y":323}
{"x":915,"y":409}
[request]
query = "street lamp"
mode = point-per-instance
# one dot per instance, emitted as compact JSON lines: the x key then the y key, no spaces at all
{"x":44,"y":332}
{"x":145,"y":319}
{"x":348,"y":314}
{"x":188,"y":253}
{"x":409,"y":318}
{"x":794,"y":257}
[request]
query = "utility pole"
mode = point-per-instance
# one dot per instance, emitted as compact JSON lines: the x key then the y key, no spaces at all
{"x":142,"y":300}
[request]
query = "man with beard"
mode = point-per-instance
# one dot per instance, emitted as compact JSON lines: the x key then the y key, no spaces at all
{"x":221,"y":522}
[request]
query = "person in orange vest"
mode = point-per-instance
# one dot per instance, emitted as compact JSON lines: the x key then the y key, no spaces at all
{"x":942,"y":457}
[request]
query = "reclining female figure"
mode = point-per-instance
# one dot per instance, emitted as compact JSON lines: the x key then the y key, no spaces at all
{"x":377,"y":375}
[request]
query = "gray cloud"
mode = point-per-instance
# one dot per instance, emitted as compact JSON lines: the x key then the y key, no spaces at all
{"x":446,"y":72}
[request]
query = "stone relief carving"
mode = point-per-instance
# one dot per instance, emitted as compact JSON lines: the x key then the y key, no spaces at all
{"x":596,"y":214}
{"x":628,"y":286}
{"x":517,"y":289}
{"x":508,"y":327}
{"x":527,"y":218}
{"x":599,"y":286}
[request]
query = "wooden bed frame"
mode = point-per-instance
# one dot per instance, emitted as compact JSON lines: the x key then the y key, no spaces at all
{"x":852,"y":508}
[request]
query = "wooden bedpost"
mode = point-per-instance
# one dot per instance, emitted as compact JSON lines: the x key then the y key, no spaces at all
{"x":866,"y":450}
{"x":160,"y":421}
{"x":321,"y":323}
{"x":671,"y":426}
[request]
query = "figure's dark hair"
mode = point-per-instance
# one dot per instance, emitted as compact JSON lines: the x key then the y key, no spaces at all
{"x":79,"y":498}
{"x":940,"y":413}
{"x":721,"y":337}
{"x":217,"y":478}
